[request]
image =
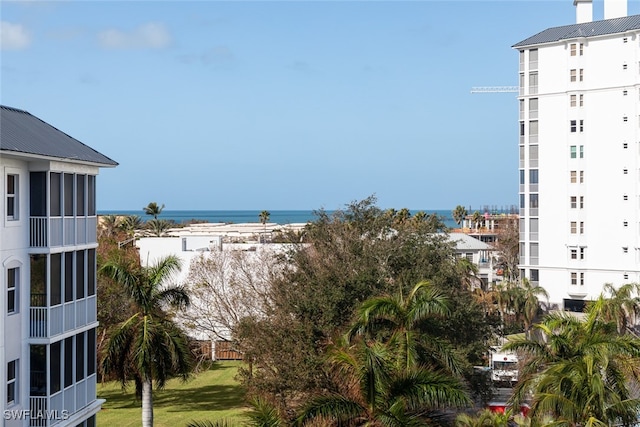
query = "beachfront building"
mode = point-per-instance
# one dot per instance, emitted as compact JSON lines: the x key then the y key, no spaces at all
{"x":579,"y":164}
{"x":48,"y":280}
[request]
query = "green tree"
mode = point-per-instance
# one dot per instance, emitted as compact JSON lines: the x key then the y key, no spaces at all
{"x":525,"y":300}
{"x":148,"y":346}
{"x":580,"y":372}
{"x":459,"y":214}
{"x":158,"y":227}
{"x":620,"y":305}
{"x":153,"y":209}
{"x":130,"y":224}
{"x":477,"y":219}
{"x":398,"y":321}
{"x":264,"y":218}
{"x":376,"y":392}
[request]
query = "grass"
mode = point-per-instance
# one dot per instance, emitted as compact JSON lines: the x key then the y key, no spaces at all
{"x":210,"y":395}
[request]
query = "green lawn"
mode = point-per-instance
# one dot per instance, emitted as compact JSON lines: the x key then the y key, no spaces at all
{"x":211,"y":395}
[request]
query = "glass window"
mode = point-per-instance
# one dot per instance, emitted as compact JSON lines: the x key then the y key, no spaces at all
{"x":91,"y":195}
{"x":533,"y":176}
{"x":80,"y":278}
{"x":12,"y":290}
{"x":38,"y":370}
{"x":573,"y":100}
{"x":574,"y":278}
{"x":582,"y":151}
{"x":573,"y":151}
{"x":55,"y":193}
{"x":68,"y":276}
{"x":583,"y":252}
{"x":581,"y":177}
{"x":80,"y":360}
{"x":573,"y":126}
{"x":534,"y":275}
{"x":573,"y":177}
{"x":521,"y":176}
{"x":68,"y":362}
{"x":80,"y":184}
{"x":533,"y":201}
{"x":572,"y":75}
{"x":12,"y":374}
{"x":581,"y":227}
{"x":12,"y":197}
{"x":581,"y":78}
{"x":573,"y":227}
{"x":91,"y":351}
{"x":574,"y":49}
{"x":55,"y":367}
{"x":581,"y":100}
{"x":573,"y":202}
{"x":573,"y":253}
{"x":68,"y":194}
{"x":56,"y":279}
{"x":91,"y":272}
{"x":581,"y":202}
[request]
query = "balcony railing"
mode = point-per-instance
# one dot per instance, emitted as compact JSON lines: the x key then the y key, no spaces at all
{"x":45,"y":322}
{"x":58,"y":231}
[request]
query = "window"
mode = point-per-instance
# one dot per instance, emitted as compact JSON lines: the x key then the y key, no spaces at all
{"x":533,"y":83}
{"x":533,"y":108}
{"x":573,"y":49}
{"x":68,"y":276}
{"x":91,"y":351}
{"x":12,"y":394}
{"x":625,"y":145}
{"x":534,"y":275}
{"x":574,"y":278}
{"x":68,"y":361}
{"x":583,"y":251}
{"x":625,"y":119}
{"x":80,"y":358}
{"x":573,"y":126}
{"x":624,"y":40}
{"x":625,"y":223}
{"x":625,"y":92}
{"x":533,"y":58}
{"x":533,"y":176}
{"x":91,"y":272}
{"x":12,"y":286}
{"x":55,"y":367}
{"x":80,"y":277}
{"x":625,"y":249}
{"x":80,"y":185}
{"x":573,"y":177}
{"x":573,"y":227}
{"x":56,"y":279}
{"x":572,"y":75}
{"x":581,"y":100}
{"x":533,"y":201}
{"x":68,"y":194}
{"x":581,"y":279}
{"x":581,"y":202}
{"x":625,"y":197}
{"x":581,"y":125}
{"x":521,"y":176}
{"x":574,"y":253}
{"x":625,"y":171}
{"x":581,"y":75}
{"x":581,"y":227}
{"x":581,"y":48}
{"x":625,"y":276}
{"x":582,"y":152}
{"x":573,"y":100}
{"x":573,"y":202}
{"x":12,"y":197}
{"x":573,"y":151}
{"x":581,"y":177}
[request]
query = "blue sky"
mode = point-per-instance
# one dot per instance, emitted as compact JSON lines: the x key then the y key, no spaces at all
{"x":281,"y":105}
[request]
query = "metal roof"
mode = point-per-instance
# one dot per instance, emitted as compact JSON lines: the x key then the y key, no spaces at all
{"x":21,"y":132}
{"x":585,"y":29}
{"x":465,"y":242}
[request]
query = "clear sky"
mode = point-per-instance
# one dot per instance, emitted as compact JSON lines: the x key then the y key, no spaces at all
{"x":281,"y":104}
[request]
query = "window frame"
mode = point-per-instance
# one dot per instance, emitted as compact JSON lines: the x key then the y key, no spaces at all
{"x":13,"y":285}
{"x":12,"y":382}
{"x":12,"y":199}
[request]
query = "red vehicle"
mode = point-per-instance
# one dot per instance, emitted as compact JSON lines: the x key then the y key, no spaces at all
{"x":502,"y":407}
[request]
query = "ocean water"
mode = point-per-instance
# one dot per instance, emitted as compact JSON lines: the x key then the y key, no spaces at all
{"x":233,"y":216}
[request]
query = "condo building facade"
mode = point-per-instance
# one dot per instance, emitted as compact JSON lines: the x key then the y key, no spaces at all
{"x":48,"y":274}
{"x":579,"y":168}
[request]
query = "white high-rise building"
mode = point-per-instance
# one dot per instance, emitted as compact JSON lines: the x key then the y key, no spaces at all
{"x":47,"y":274}
{"x":580,"y":155}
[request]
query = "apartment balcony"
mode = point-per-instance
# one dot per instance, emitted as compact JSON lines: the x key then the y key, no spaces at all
{"x":47,"y":322}
{"x":46,"y":411}
{"x":62,"y":231}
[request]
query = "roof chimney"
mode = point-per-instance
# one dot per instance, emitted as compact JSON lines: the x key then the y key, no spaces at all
{"x":615,"y":9}
{"x":584,"y":11}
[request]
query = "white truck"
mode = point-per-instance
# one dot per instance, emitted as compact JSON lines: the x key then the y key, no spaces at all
{"x":504,"y":366}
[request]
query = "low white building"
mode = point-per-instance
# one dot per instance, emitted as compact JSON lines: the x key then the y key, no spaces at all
{"x":478,"y":253}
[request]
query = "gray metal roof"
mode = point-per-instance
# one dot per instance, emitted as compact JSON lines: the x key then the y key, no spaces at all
{"x":21,"y":132}
{"x":586,"y":29}
{"x":465,"y":242}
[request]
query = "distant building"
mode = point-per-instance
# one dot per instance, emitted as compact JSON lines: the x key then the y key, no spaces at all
{"x":579,"y":155}
{"x":48,"y":281}
{"x":478,"y":253}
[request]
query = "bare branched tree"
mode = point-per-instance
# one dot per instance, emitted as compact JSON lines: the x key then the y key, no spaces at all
{"x":227,"y":286}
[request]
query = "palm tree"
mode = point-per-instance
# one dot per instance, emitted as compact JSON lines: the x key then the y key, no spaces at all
{"x":108,"y":224}
{"x":130,"y":224}
{"x":459,"y":214}
{"x":158,"y":227}
{"x":397,"y":321}
{"x":476,"y":218}
{"x":375,"y":392}
{"x":264,"y":218}
{"x":153,"y":209}
{"x":580,"y":372}
{"x":622,"y":305}
{"x":148,"y":346}
{"x":402,"y":216}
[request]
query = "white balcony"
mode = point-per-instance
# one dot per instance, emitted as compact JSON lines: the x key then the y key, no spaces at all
{"x":51,"y":232}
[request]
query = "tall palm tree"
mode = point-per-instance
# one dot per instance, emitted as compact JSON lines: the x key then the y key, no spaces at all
{"x":580,"y":372}
{"x":375,"y":392}
{"x":130,"y":224}
{"x":397,"y":321}
{"x":525,"y":299}
{"x":477,"y":219}
{"x":264,"y":218}
{"x":153,"y":209}
{"x":620,"y":305}
{"x":459,"y":214}
{"x":158,"y":227}
{"x":148,"y":346}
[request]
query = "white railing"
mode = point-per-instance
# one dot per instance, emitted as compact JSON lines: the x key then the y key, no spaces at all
{"x":38,"y":322}
{"x":38,"y":411}
{"x":38,"y":232}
